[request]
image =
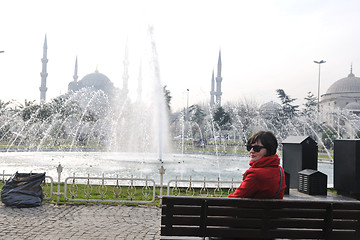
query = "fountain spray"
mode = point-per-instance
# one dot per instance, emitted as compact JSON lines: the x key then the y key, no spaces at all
{"x":160,"y":116}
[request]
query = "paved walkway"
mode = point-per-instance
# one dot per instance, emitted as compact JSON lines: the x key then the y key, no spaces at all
{"x":51,"y":221}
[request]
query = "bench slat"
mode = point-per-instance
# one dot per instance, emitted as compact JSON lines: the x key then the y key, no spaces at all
{"x":267,"y":203}
{"x":182,"y":210}
{"x":258,"y":223}
{"x":345,"y":224}
{"x":231,"y":211}
{"x":234,"y":222}
{"x":187,"y":221}
{"x":346,"y":214}
{"x":348,"y":205}
{"x":337,"y":234}
{"x":259,"y":212}
{"x":251,"y":233}
{"x":182,"y":200}
{"x":297,"y":223}
{"x":181,"y":231}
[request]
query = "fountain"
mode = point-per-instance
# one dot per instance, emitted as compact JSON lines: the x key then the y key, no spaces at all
{"x":89,"y":131}
{"x":79,"y":140}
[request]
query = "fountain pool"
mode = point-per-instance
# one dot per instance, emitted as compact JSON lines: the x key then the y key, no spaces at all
{"x":138,"y":165}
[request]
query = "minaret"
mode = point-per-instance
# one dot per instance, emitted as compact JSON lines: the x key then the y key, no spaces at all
{"x":73,"y":86}
{"x":139,"y":88}
{"x":351,"y":73}
{"x":43,"y":74}
{"x":125,"y":89}
{"x":75,"y":77}
{"x":218,"y":82}
{"x":212,"y":92}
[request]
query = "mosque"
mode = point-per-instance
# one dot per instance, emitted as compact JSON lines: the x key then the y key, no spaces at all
{"x":99,"y":81}
{"x":343,"y":94}
{"x":95,"y":80}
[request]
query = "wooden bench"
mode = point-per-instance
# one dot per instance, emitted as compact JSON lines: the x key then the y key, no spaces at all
{"x":259,"y":218}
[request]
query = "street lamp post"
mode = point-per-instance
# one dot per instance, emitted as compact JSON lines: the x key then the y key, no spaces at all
{"x":320,"y":62}
{"x":187,"y":105}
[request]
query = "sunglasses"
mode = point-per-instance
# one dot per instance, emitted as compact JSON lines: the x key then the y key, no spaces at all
{"x":257,"y":148}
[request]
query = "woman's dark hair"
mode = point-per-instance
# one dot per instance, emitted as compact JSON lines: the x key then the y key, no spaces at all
{"x":267,"y":139}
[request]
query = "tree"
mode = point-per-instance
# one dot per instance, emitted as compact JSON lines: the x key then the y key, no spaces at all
{"x":28,"y":109}
{"x":196,"y":114}
{"x":167,"y":96}
{"x":65,"y":108}
{"x":44,"y":112}
{"x":328,"y":138}
{"x":310,"y":104}
{"x":222,"y":119}
{"x":288,"y":109}
{"x":3,"y":106}
{"x":197,"y":117}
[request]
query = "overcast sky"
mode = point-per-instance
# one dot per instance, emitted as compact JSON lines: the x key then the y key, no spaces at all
{"x":265,"y":45}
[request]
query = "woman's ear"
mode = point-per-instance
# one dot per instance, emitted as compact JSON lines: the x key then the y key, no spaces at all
{"x":267,"y":153}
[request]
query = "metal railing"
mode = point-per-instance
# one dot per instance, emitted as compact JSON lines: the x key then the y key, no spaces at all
{"x":104,"y":189}
{"x":205,"y":188}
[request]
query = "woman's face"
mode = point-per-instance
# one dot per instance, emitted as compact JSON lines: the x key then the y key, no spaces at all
{"x":255,"y":156}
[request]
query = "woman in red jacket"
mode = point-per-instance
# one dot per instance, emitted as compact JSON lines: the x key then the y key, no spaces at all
{"x":265,"y":178}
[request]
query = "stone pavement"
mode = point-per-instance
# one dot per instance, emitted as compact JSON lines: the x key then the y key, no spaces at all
{"x":102,"y":221}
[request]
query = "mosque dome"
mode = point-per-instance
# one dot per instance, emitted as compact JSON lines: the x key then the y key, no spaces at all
{"x":269,"y":109}
{"x":270,"y":106}
{"x":350,"y":84}
{"x":95,"y":81}
{"x":344,"y":93}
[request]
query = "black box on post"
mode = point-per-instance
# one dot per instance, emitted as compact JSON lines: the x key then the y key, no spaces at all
{"x":347,"y":167}
{"x":299,"y":153}
{"x":312,"y":182}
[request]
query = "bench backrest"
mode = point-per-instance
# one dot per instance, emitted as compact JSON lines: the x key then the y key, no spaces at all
{"x":259,"y":218}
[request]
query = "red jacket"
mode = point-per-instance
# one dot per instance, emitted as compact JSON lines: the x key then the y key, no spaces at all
{"x":262,"y":179}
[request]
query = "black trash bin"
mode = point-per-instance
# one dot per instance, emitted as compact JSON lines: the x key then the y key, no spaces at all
{"x":23,"y":190}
